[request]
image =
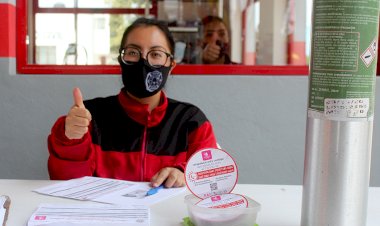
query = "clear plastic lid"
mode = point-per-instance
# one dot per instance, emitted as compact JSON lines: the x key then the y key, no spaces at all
{"x":224,"y":201}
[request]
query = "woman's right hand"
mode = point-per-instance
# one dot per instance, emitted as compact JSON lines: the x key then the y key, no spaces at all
{"x":78,"y":119}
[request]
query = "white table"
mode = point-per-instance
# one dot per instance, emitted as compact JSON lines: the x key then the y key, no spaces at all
{"x":280,"y":204}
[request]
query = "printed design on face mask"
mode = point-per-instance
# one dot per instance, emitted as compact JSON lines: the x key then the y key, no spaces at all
{"x":153,"y":81}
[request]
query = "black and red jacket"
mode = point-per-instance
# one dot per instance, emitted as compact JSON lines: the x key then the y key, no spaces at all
{"x":127,"y":142}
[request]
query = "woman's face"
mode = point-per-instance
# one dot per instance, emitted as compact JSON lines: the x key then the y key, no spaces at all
{"x":147,"y":38}
{"x":215,"y":31}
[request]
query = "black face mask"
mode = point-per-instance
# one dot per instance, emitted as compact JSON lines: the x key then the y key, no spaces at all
{"x":142,"y":80}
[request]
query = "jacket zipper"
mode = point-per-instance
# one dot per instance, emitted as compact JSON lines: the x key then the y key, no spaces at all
{"x":143,"y":153}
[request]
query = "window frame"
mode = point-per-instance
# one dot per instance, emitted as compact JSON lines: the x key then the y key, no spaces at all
{"x":23,"y":67}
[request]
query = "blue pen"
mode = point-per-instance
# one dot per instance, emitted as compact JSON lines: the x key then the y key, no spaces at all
{"x":153,"y":191}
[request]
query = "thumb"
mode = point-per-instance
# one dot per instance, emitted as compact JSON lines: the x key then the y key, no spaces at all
{"x":78,"y":99}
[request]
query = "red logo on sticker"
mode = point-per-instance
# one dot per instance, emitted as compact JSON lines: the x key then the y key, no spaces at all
{"x":206,"y":155}
{"x":215,"y":198}
{"x":40,"y":218}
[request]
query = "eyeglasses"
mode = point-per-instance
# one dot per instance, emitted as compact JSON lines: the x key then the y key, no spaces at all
{"x":156,"y":58}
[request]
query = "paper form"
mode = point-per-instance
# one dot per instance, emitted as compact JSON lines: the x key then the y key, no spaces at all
{"x":87,"y":214}
{"x":2,"y":209}
{"x":85,"y":188}
{"x":4,"y":204}
{"x":108,"y":191}
{"x":137,"y":195}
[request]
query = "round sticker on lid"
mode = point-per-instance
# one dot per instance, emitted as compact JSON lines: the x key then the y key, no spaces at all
{"x":224,"y":201}
{"x":211,"y":172}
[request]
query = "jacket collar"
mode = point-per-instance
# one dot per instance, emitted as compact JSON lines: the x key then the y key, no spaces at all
{"x":140,"y":113}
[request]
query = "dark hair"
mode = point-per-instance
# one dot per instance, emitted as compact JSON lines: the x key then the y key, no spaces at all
{"x":142,"y":22}
{"x":210,"y":19}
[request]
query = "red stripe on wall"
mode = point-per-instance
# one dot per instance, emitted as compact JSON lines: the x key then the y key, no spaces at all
{"x":7,"y":30}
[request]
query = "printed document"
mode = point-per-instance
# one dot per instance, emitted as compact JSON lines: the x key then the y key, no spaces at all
{"x":2,"y":209}
{"x":88,"y":214}
{"x":106,"y":190}
{"x":4,"y":206}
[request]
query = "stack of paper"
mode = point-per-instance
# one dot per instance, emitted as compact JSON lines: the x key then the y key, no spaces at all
{"x":85,"y":214}
{"x":106,"y":190}
{"x":129,"y":198}
{"x":4,"y":208}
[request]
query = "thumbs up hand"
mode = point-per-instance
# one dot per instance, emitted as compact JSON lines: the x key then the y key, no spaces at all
{"x":212,"y":53}
{"x":78,"y":119}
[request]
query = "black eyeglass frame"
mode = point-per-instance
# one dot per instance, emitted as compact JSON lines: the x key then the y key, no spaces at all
{"x":121,"y":54}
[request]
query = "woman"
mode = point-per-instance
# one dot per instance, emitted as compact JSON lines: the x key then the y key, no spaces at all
{"x":215,"y":41}
{"x":139,"y":134}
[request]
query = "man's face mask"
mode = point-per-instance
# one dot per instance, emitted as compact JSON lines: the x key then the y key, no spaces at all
{"x":142,"y":80}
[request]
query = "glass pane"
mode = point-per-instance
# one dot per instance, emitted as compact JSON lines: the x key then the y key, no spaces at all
{"x":94,"y":3}
{"x":94,"y":38}
{"x":100,"y":35}
{"x":96,"y":41}
{"x":309,"y":6}
{"x":256,"y":32}
{"x":56,"y":3}
{"x":53,"y":38}
{"x":114,"y":4}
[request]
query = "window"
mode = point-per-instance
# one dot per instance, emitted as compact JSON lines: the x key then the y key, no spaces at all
{"x":83,"y":37}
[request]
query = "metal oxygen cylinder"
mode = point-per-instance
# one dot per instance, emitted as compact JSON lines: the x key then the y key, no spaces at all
{"x":340,"y":112}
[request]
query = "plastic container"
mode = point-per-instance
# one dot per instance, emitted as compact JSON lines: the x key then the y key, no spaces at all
{"x":203,"y":216}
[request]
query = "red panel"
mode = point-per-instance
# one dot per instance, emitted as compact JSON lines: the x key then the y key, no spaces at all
{"x":67,"y":69}
{"x":21,"y":23}
{"x":7,"y":30}
{"x":216,"y":70}
{"x":227,"y":70}
{"x":296,"y":52}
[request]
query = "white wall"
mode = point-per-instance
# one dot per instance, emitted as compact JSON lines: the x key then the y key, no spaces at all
{"x":260,"y":120}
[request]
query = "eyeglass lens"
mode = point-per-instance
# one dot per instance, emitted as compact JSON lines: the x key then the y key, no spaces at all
{"x":155,"y":58}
